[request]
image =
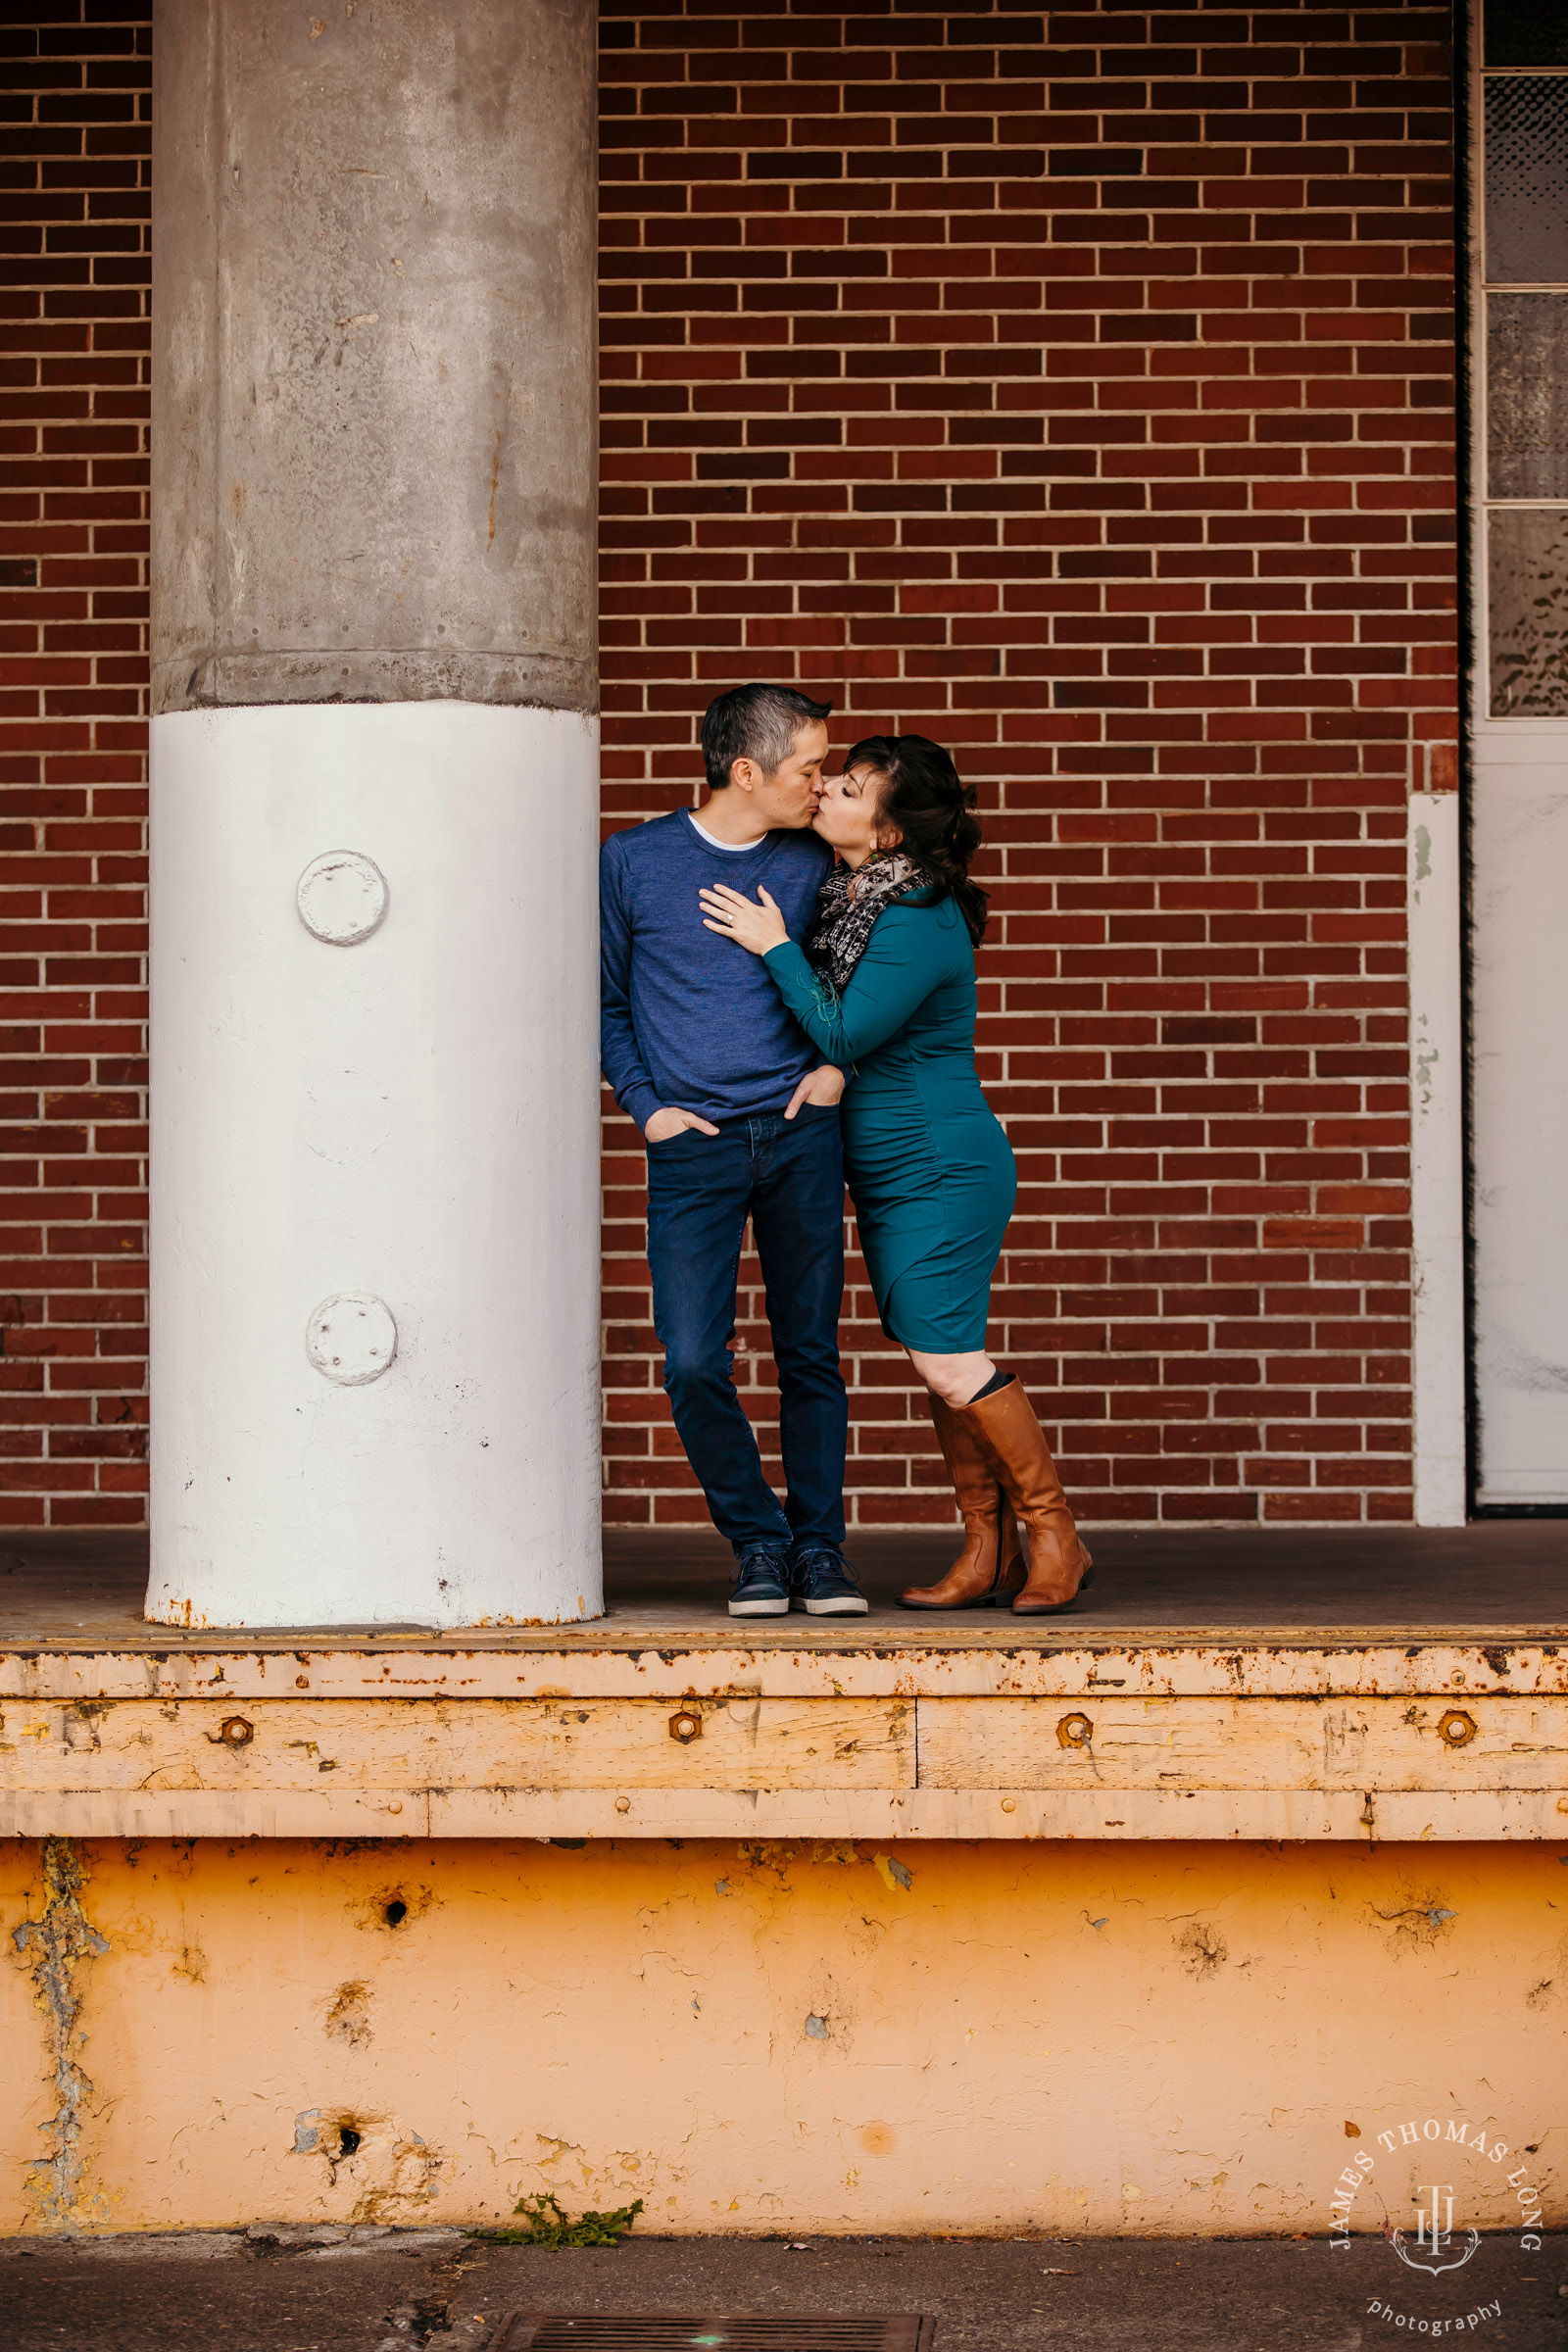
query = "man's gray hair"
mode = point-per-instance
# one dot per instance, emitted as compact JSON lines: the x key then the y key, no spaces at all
{"x":754,"y":722}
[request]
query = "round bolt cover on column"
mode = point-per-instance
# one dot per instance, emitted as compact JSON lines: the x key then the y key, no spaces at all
{"x":342,"y":898}
{"x":351,"y":1338}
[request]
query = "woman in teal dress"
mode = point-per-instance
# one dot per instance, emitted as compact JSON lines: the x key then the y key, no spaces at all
{"x":885,"y":987}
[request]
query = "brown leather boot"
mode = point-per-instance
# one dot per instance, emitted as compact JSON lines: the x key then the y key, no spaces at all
{"x":990,"y":1569}
{"x":1060,"y":1567}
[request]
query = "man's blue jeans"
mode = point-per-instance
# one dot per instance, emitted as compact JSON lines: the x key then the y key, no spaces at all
{"x":787,"y":1177}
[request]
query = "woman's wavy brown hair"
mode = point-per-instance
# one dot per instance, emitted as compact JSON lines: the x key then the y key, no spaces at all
{"x":923,"y":794}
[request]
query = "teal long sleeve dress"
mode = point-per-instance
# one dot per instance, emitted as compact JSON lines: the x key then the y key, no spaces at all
{"x":929,"y":1168}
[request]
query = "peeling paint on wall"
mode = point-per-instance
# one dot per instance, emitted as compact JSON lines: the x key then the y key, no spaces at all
{"x":415,"y":2177}
{"x":1163,"y":2039}
{"x":348,"y":2017}
{"x":60,"y":1940}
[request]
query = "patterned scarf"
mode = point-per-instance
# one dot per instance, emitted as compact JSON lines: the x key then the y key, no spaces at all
{"x":849,"y":904}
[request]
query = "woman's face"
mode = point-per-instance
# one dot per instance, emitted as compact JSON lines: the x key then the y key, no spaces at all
{"x":847,"y":813}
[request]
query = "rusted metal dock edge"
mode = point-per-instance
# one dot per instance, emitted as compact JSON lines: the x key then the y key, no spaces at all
{"x":795,"y":1732}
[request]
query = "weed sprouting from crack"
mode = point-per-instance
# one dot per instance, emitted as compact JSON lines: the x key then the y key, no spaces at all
{"x":545,"y":2224}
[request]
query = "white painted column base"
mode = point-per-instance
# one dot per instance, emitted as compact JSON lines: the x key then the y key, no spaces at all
{"x":1436,"y":1159}
{"x":374,"y":1154}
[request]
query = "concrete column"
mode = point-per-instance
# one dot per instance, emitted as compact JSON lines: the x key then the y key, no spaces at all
{"x":374,"y":813}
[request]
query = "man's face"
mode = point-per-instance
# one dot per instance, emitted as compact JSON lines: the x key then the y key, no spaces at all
{"x":788,"y":798}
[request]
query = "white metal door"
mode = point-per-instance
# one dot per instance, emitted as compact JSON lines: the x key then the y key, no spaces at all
{"x":1519,"y":1097}
{"x":1519,"y":779}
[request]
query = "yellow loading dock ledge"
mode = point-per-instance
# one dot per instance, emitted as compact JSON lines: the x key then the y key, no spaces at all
{"x":1410,"y":1687}
{"x":999,"y":1733}
{"x":299,"y":1876}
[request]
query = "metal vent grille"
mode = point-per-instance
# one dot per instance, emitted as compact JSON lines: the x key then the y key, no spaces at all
{"x":721,"y":2332}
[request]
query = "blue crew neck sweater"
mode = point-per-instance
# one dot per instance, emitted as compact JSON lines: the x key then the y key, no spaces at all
{"x":687,"y":1018}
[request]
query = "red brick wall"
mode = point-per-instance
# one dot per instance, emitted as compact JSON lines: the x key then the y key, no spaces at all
{"x":1077,"y":389}
{"x":73,"y":269}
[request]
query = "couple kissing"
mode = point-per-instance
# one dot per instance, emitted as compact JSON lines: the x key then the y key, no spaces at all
{"x":788,"y":1004}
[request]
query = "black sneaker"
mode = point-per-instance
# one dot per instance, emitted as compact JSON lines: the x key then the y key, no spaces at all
{"x":761,"y":1583}
{"x":822,"y":1583}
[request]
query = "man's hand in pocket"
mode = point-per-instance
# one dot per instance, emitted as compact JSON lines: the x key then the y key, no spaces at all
{"x":822,"y":1086}
{"x":668,"y":1121}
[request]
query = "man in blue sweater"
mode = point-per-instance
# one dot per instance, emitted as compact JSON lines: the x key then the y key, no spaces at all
{"x":741,"y":1120}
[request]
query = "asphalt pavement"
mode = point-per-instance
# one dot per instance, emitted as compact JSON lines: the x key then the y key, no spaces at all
{"x":291,"y":2290}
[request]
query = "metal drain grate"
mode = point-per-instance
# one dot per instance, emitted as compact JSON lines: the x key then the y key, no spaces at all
{"x":723,"y":2332}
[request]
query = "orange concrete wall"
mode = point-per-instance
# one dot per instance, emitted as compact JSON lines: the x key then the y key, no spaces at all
{"x":945,"y":2038}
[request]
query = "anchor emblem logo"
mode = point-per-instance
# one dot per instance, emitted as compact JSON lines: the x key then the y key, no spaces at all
{"x":1434,"y":2249}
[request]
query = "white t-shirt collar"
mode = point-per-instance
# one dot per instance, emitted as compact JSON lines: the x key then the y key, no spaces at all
{"x":733,"y":849}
